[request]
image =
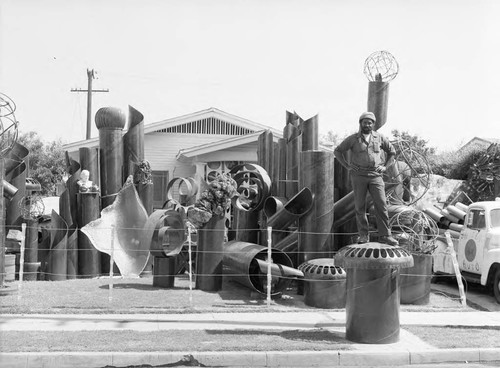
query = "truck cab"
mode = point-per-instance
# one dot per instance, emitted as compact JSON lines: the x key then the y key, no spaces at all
{"x":478,"y":248}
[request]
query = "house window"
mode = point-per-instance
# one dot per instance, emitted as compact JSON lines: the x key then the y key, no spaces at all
{"x":160,"y":182}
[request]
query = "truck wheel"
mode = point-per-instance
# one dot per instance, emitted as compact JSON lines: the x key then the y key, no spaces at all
{"x":496,"y":284}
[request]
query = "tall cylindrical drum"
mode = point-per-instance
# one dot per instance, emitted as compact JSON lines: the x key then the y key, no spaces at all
{"x":372,"y":303}
{"x":209,"y":254}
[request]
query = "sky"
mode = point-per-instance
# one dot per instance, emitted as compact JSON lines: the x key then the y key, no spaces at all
{"x":255,"y":59}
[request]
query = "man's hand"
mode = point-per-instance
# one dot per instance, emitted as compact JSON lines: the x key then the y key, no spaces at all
{"x":381,"y":169}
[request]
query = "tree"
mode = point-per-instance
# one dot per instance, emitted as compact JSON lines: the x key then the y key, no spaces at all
{"x":46,"y":161}
{"x":415,"y":142}
{"x":330,"y":139}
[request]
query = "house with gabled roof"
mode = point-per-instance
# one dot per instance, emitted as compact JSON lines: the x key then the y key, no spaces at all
{"x":193,"y":144}
{"x":479,"y":143}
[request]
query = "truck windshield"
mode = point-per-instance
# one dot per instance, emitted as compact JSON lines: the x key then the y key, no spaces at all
{"x":476,"y":219}
{"x":495,"y":218}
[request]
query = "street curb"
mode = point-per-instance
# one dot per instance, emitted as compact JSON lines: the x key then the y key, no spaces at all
{"x":249,"y":358}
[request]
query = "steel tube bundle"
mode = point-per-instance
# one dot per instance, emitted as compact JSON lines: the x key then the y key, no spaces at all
{"x":241,"y":264}
{"x":378,"y":98}
{"x":458,"y":213}
{"x":315,"y":226}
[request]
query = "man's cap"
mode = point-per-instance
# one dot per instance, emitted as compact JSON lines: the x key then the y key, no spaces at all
{"x":368,"y":115}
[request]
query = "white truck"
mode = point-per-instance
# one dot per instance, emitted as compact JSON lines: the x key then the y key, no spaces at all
{"x":477,"y":248}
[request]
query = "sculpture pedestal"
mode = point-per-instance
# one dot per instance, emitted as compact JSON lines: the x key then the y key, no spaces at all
{"x":209,"y":255}
{"x":164,"y":272}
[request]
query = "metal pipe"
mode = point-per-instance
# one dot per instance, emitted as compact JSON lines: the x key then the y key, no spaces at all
{"x":133,"y":142}
{"x":296,"y":207}
{"x":310,"y":137}
{"x":315,"y":240}
{"x":89,"y":258}
{"x":89,"y":160}
{"x":378,"y":98}
{"x":293,"y":148}
{"x":241,"y":265}
{"x":9,"y":191}
{"x":265,"y":152}
{"x":110,"y":122}
{"x":279,"y":270}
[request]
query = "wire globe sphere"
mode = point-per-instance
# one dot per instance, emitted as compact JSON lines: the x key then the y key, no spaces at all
{"x":381,"y":66}
{"x":8,"y":124}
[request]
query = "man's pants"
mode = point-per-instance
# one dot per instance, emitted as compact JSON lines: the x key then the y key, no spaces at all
{"x":376,"y":187}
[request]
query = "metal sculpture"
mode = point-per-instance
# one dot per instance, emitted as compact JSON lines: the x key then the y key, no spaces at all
{"x":89,"y":258}
{"x":181,"y":192}
{"x":310,"y":137}
{"x":324,"y":283}
{"x":56,"y":265}
{"x":246,"y":263}
{"x":133,"y":142}
{"x":380,"y":68}
{"x":110,"y":122}
{"x":253,"y":185}
{"x":372,"y":304}
{"x":415,"y":231}
{"x":89,"y":160}
{"x":119,"y":231}
{"x":293,"y":148}
{"x":411,"y":174}
{"x":8,"y":124}
{"x":8,"y":137}
{"x":289,"y":212}
{"x":314,"y":227}
{"x":165,"y":232}
{"x":32,"y":208}
{"x":68,"y":210}
{"x":16,"y":175}
{"x":143,"y":180}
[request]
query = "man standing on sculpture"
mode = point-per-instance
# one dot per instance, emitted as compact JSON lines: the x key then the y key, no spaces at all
{"x":367,"y":165}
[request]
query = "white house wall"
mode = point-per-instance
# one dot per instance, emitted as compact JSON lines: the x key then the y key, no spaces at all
{"x":160,"y":149}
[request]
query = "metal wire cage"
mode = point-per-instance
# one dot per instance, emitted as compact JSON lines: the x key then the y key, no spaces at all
{"x":8,"y":124}
{"x":32,"y":207}
{"x":415,"y":231}
{"x":410,"y":175}
{"x":381,"y":66}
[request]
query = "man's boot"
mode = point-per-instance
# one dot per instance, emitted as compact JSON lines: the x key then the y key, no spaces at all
{"x":363,"y":238}
{"x":387,"y":239}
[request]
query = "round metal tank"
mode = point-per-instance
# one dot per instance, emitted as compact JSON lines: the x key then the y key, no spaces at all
{"x":324,"y":283}
{"x":241,"y":265}
{"x":372,"y":302}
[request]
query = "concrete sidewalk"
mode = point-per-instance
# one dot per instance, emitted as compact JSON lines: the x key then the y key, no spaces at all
{"x":409,"y":350}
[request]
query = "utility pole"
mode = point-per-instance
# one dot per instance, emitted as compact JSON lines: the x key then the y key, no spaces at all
{"x":89,"y":90}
